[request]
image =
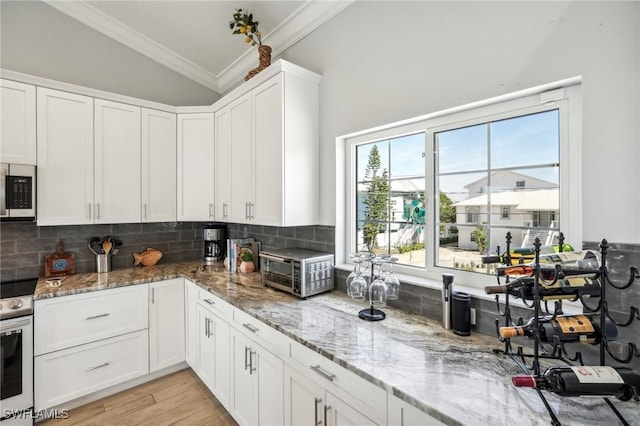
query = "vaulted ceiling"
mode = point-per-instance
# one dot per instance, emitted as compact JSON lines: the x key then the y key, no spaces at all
{"x":193,"y":37}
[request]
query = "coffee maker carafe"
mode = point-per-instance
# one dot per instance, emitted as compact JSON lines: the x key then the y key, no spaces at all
{"x":215,"y":241}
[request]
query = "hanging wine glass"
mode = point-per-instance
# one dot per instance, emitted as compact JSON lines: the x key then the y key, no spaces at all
{"x":392,"y":281}
{"x":352,"y":275}
{"x":357,"y":288}
{"x":378,"y":290}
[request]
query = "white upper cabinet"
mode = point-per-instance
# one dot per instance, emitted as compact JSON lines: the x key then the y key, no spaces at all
{"x":196,"y":166}
{"x":268,"y":147}
{"x":234,"y":161}
{"x":17,"y":123}
{"x":65,"y":158}
{"x":117,"y":163}
{"x":158,"y":166}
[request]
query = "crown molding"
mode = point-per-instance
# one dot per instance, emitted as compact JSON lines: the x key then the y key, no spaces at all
{"x":307,"y":18}
{"x":303,"y":21}
{"x":99,"y":21}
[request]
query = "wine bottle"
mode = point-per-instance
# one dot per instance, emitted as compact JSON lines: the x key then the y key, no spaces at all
{"x":585,"y":262}
{"x":565,"y":288}
{"x":621,"y":382}
{"x":568,"y":329}
{"x":522,"y":255}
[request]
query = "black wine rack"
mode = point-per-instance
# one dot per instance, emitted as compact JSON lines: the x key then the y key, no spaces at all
{"x":556,"y":350}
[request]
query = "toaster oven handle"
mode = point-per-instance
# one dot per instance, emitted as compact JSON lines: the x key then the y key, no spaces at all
{"x":275,"y":258}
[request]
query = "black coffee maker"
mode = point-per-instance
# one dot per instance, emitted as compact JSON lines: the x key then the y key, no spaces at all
{"x":215,"y":242}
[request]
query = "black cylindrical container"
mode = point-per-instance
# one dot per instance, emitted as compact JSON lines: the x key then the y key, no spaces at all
{"x":461,"y":313}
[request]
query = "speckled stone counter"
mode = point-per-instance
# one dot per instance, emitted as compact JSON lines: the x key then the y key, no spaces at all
{"x":458,"y":380}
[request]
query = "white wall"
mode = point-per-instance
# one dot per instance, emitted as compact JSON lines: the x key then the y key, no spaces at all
{"x":386,"y":61}
{"x":37,"y":39}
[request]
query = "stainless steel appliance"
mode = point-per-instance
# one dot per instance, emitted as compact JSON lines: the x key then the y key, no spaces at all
{"x":16,"y":335}
{"x":17,"y":192}
{"x":447,"y":289}
{"x":215,"y":242}
{"x":300,"y":272}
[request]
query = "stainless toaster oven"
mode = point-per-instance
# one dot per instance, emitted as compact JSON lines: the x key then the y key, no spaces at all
{"x":301,"y":272}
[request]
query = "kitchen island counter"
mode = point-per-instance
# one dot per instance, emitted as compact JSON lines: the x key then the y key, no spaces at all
{"x":458,"y":380}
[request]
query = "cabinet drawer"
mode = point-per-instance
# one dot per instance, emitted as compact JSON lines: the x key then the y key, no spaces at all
{"x":216,"y":304}
{"x":71,"y":373}
{"x":64,"y":322}
{"x":370,"y":398}
{"x":262,"y":333}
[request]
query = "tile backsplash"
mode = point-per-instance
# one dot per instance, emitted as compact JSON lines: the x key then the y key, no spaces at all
{"x":23,"y":246}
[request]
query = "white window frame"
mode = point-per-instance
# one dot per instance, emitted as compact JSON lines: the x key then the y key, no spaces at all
{"x":564,"y":95}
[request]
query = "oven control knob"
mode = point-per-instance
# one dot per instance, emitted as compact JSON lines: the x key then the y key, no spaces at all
{"x":15,"y":304}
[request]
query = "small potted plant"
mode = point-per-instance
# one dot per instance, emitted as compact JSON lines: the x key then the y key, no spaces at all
{"x":246,"y":261}
{"x":244,"y":25}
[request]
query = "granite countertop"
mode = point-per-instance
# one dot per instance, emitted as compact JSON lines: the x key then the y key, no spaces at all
{"x":459,"y":380}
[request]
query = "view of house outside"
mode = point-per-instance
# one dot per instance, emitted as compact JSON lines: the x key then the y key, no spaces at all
{"x":493,"y":178}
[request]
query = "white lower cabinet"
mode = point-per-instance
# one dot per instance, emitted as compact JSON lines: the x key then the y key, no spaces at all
{"x":258,"y":383}
{"x":309,"y":403}
{"x":402,"y":413}
{"x":166,"y":323}
{"x":67,"y":374}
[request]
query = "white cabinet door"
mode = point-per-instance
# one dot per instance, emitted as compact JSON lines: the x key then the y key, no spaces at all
{"x":65,"y":158}
{"x":158,"y":166}
{"x":241,"y":161}
{"x":402,"y":413}
{"x":269,"y":381}
{"x":269,"y":151}
{"x":166,"y":323}
{"x":242,"y":389}
{"x":117,"y":163}
{"x":196,"y":166}
{"x":17,"y":123}
{"x":336,"y":412}
{"x":304,"y":400}
{"x":223,"y":148}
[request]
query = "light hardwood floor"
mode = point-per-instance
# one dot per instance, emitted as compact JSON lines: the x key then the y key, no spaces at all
{"x":177,"y":399}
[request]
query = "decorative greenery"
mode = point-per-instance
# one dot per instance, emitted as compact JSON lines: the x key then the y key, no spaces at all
{"x":410,"y":247}
{"x":246,"y":255}
{"x":244,"y":24}
{"x":375,"y":200}
{"x":480,"y":237}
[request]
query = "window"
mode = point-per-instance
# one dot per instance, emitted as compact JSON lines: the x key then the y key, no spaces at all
{"x":441,"y":191}
{"x":505,"y":212}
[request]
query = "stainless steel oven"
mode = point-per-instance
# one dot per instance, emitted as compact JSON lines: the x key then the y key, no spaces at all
{"x":17,"y":192}
{"x":16,"y":350}
{"x":300,"y":272}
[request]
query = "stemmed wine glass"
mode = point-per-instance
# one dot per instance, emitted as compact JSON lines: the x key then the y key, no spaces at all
{"x":357,"y":286}
{"x":378,"y":288}
{"x":391,"y":280}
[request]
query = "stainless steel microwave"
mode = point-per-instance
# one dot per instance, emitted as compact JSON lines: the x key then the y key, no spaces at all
{"x":301,"y":272}
{"x":17,"y":192}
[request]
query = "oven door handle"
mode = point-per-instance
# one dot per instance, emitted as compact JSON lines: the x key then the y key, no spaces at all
{"x":17,"y":324}
{"x":275,"y":259}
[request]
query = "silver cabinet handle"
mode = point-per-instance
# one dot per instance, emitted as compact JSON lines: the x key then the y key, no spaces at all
{"x":320,"y":371}
{"x":209,"y":301}
{"x":98,"y":316}
{"x":206,"y":327}
{"x":210,"y":210}
{"x":224,"y":210}
{"x":97,"y":210}
{"x":250,"y":327}
{"x":153,"y":296}
{"x":252,"y":369}
{"x":317,"y":401}
{"x":90,"y":217}
{"x":144,"y":207}
{"x":104,"y":364}
{"x":246,"y":357}
{"x":210,"y":320}
{"x":326,"y":410}
{"x":246,"y":210}
{"x":252,"y":209}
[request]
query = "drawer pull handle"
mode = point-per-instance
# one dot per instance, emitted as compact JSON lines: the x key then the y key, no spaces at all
{"x":326,"y":410}
{"x":246,"y":357}
{"x":98,"y":316}
{"x":104,"y":364}
{"x":251,"y":328}
{"x":209,"y":301}
{"x":320,"y":371}
{"x":252,"y":369}
{"x":317,"y":401}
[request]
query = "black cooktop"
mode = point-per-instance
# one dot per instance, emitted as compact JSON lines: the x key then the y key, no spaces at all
{"x":17,"y":288}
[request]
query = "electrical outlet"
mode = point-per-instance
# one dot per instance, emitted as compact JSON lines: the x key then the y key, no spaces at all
{"x":472,"y":318}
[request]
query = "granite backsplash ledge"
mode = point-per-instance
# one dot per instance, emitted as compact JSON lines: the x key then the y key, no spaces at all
{"x":24,"y":245}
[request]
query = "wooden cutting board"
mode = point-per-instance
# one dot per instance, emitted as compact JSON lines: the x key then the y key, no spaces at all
{"x":60,"y":263}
